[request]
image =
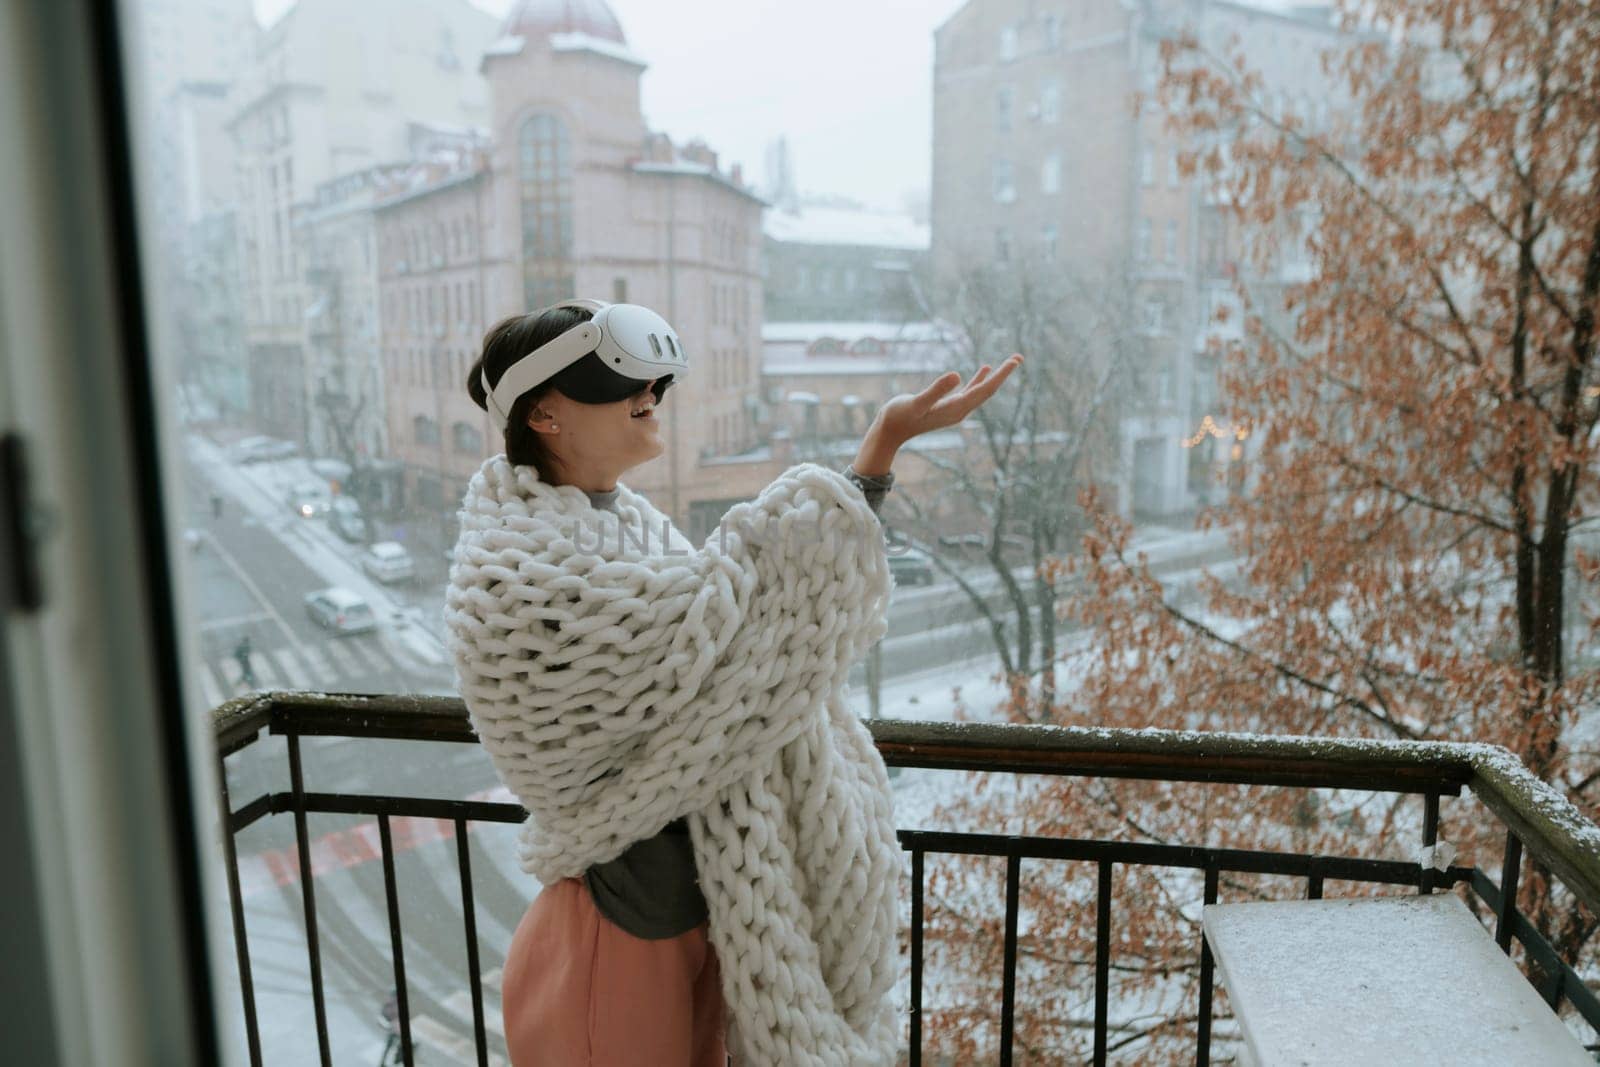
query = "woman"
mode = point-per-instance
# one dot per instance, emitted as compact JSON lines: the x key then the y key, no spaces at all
{"x":711,"y":824}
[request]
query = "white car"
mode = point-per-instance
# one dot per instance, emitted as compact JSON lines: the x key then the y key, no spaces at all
{"x":388,"y":561}
{"x":341,"y":610}
{"x":310,"y":500}
{"x":257,"y":449}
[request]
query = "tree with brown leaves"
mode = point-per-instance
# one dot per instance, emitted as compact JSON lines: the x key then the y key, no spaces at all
{"x":1420,"y":420}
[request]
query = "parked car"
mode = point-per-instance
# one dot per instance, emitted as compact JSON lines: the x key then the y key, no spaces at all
{"x":310,"y":500}
{"x":341,"y":611}
{"x":911,"y":567}
{"x":344,"y":515}
{"x":259,"y":449}
{"x":388,"y":561}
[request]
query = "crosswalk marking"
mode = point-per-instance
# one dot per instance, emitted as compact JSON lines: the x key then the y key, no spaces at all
{"x":291,"y":668}
{"x":460,"y":1003}
{"x":343,"y":663}
{"x":459,"y":1049}
{"x":321,"y":670}
{"x":374,"y":659}
{"x":210,"y":691}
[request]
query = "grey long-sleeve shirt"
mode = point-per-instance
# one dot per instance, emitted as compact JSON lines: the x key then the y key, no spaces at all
{"x":652,"y":890}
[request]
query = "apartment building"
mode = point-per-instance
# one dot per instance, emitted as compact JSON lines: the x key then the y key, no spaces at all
{"x":1042,"y":160}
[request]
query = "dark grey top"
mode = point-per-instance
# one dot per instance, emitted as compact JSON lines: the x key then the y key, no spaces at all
{"x":652,"y":890}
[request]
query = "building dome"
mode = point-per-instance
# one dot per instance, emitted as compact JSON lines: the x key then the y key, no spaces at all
{"x":531,"y":18}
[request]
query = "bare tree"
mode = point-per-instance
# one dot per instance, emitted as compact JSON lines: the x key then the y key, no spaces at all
{"x":1024,"y":463}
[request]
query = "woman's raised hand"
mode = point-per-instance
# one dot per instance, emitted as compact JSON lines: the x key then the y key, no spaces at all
{"x":941,"y":404}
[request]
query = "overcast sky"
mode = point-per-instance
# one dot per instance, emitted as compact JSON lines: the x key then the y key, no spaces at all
{"x":849,"y":82}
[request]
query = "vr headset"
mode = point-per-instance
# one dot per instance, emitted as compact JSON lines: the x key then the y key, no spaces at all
{"x":607,"y":359}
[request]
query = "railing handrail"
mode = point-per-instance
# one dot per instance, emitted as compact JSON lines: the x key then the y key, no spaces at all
{"x":1547,"y":823}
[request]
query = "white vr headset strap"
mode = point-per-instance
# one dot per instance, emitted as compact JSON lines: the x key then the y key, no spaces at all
{"x":535,"y":367}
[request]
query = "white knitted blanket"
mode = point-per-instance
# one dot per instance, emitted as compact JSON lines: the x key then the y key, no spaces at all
{"x":620,"y":678}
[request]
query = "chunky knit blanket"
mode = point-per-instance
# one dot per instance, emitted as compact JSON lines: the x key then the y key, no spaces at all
{"x":621,"y":678}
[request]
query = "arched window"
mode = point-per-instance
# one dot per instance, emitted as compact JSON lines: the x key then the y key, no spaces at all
{"x":424,"y":430}
{"x":466,"y":438}
{"x":545,"y":171}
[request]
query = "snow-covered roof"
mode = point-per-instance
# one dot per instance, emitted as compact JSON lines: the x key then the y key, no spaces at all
{"x":916,"y":359}
{"x":505,"y":46}
{"x":849,"y":332}
{"x":679,"y":167}
{"x":846,"y":226}
{"x":585,"y":42}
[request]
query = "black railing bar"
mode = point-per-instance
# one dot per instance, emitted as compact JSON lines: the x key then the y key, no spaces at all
{"x":398,"y":717}
{"x":396,"y":946}
{"x":258,"y":809}
{"x":469,"y":919}
{"x":416,"y":807}
{"x":238,"y":723}
{"x":308,"y":898}
{"x":916,"y":957}
{"x":1550,"y":827}
{"x":1540,"y":951}
{"x":241,"y":938}
{"x":1008,"y":980}
{"x":1175,"y":755}
{"x":1430,"y":839}
{"x":1144,"y":854}
{"x":1314,"y":879}
{"x":1102,"y":961}
{"x":1510,"y":871}
{"x":1202,"y":1052}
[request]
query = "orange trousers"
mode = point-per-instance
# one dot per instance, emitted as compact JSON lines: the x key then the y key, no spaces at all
{"x":579,"y":991}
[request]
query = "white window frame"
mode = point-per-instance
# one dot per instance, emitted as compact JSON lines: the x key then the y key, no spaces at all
{"x":1005,"y":181}
{"x":1050,"y":174}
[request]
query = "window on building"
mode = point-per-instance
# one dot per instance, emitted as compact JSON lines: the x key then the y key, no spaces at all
{"x":1047,"y":244}
{"x":1050,"y":174}
{"x":1152,"y":318}
{"x":1002,"y":244}
{"x":424,"y":430}
{"x":1141,"y":240}
{"x":1173,"y":177}
{"x":1050,"y":101}
{"x":1005,"y":183}
{"x":1147,"y":165}
{"x":545,"y":173}
{"x":1004,"y":98}
{"x":1052,"y":32}
{"x":1172,"y":241}
{"x":1008,"y":43}
{"x":466,"y":438}
{"x":619,"y":290}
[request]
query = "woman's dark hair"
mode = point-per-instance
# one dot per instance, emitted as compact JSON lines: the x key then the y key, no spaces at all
{"x":506,"y":342}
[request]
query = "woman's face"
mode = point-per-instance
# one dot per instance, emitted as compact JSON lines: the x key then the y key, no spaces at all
{"x":601,"y":439}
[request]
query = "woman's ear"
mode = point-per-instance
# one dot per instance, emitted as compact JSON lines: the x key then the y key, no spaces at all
{"x":539,"y":419}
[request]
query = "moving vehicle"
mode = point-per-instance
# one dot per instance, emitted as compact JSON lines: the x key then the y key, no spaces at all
{"x":341,"y":611}
{"x":310,"y":500}
{"x":911,"y":566}
{"x":344,"y":515}
{"x":388,"y":561}
{"x":260,"y":449}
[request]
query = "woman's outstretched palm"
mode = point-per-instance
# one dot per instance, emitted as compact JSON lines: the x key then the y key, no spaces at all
{"x":941,"y":404}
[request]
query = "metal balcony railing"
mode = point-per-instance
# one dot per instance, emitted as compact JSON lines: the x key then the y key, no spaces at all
{"x":1538,"y":821}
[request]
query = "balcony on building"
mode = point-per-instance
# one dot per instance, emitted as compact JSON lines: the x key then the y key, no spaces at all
{"x":344,"y":878}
